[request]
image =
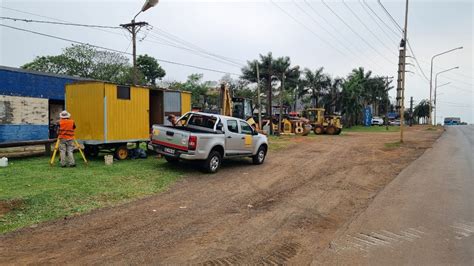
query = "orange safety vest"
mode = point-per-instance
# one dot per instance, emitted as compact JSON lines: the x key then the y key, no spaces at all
{"x":66,"y":129}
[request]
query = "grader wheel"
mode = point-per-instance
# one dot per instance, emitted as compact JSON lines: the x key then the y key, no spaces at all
{"x":331,"y":130}
{"x":318,"y":130}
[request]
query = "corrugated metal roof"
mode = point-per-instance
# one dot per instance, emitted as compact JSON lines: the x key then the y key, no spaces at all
{"x":21,"y":70}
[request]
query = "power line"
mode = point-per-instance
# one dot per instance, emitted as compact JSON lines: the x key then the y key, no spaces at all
{"x":165,"y":42}
{"x":390,"y":16}
{"x":114,"y":50}
{"x":353,"y":31}
{"x":318,"y":24}
{"x":307,"y":28}
{"x":381,"y":20}
{"x":366,"y":27}
{"x":371,"y":16}
{"x":61,"y":23}
{"x":183,"y":43}
{"x":416,"y":61}
{"x":56,"y":19}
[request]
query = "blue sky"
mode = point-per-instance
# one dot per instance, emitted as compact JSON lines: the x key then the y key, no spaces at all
{"x":243,"y":29}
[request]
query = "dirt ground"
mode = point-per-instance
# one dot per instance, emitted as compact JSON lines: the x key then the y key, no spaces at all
{"x":284,"y":211}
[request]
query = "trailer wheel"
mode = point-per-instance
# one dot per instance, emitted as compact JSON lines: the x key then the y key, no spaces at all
{"x":121,"y":152}
{"x":318,"y":130}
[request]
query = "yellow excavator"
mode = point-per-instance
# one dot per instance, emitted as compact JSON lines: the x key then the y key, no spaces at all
{"x":323,"y":124}
{"x":236,"y":106}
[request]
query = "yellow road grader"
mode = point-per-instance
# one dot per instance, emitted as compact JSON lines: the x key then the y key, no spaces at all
{"x":323,"y":124}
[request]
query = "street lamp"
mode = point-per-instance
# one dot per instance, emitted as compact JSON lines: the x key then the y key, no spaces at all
{"x":134,"y":28}
{"x":436,"y":86}
{"x":431,"y":73}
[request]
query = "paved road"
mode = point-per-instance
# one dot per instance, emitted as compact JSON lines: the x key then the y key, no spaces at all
{"x":424,"y":217}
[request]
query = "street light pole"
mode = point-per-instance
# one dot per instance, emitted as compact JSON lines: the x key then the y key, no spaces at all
{"x":431,"y":76}
{"x":436,"y":87}
{"x":134,"y":28}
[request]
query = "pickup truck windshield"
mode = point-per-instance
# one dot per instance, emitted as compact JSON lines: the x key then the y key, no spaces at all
{"x":202,"y":121}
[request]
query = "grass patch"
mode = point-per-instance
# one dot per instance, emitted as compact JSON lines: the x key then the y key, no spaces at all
{"x":371,"y":129}
{"x":31,"y":191}
{"x":276,"y":143}
{"x":392,"y":145}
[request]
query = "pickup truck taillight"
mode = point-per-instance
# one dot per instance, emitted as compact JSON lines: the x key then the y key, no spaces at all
{"x":192,"y":143}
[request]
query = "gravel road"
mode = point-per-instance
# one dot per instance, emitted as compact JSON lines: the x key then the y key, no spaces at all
{"x":285,"y":211}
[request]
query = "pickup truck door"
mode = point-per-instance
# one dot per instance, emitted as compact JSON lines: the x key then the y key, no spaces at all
{"x":249,"y":141}
{"x":234,"y":141}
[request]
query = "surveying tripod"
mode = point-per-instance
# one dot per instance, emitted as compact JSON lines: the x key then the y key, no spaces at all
{"x":56,"y":148}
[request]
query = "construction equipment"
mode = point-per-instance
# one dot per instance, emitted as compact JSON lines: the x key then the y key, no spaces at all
{"x":323,"y":124}
{"x":291,"y":123}
{"x":56,"y":148}
{"x":236,"y":106}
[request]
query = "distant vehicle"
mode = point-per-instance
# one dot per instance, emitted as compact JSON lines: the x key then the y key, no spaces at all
{"x":209,"y":138}
{"x":394,"y":122}
{"x":377,"y":121}
{"x":452,"y":121}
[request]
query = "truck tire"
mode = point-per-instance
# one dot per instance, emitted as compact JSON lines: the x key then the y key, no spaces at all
{"x":259,"y":158}
{"x":171,"y":159}
{"x":213,"y":162}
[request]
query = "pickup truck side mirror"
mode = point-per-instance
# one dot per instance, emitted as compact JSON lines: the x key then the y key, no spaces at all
{"x":254,"y":132}
{"x":219,"y":127}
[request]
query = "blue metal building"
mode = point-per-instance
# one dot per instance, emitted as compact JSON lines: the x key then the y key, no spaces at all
{"x":30,"y":102}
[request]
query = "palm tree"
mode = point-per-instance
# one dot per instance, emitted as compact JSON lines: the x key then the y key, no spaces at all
{"x":332,"y":100}
{"x":422,"y":111}
{"x":271,"y":72}
{"x":315,"y":83}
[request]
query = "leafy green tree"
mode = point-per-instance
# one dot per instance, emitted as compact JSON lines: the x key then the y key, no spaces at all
{"x":150,"y":69}
{"x":84,"y":61}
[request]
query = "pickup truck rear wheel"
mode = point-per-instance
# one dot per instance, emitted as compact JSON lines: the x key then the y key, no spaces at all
{"x":213,"y":162}
{"x":260,"y":156}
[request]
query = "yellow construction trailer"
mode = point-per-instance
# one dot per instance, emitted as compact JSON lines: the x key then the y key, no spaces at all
{"x":108,"y":116}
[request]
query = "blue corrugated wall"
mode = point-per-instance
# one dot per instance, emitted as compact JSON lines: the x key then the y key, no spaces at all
{"x":32,"y":85}
{"x":13,"y":133}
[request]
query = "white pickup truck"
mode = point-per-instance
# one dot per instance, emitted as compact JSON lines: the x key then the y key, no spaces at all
{"x":209,"y":138}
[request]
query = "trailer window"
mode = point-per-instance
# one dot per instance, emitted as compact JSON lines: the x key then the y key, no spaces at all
{"x":123,"y":92}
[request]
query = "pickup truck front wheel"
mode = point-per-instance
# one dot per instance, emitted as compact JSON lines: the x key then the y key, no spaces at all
{"x":213,"y":162}
{"x":260,"y":156}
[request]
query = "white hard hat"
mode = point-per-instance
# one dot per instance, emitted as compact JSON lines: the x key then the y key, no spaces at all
{"x":64,"y":114}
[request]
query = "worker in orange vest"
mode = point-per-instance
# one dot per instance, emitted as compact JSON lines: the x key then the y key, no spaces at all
{"x":66,"y":138}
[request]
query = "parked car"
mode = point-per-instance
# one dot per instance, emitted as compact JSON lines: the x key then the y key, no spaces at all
{"x":394,"y":122}
{"x":209,"y":138}
{"x":377,"y":121}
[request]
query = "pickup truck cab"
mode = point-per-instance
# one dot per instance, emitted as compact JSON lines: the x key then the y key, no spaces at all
{"x":209,"y":138}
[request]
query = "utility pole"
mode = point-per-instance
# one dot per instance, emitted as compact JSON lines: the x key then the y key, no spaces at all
{"x":411,"y":111}
{"x":269,"y":98}
{"x":258,"y":99}
{"x":134,"y":28}
{"x":282,"y":88}
{"x":404,"y":43}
